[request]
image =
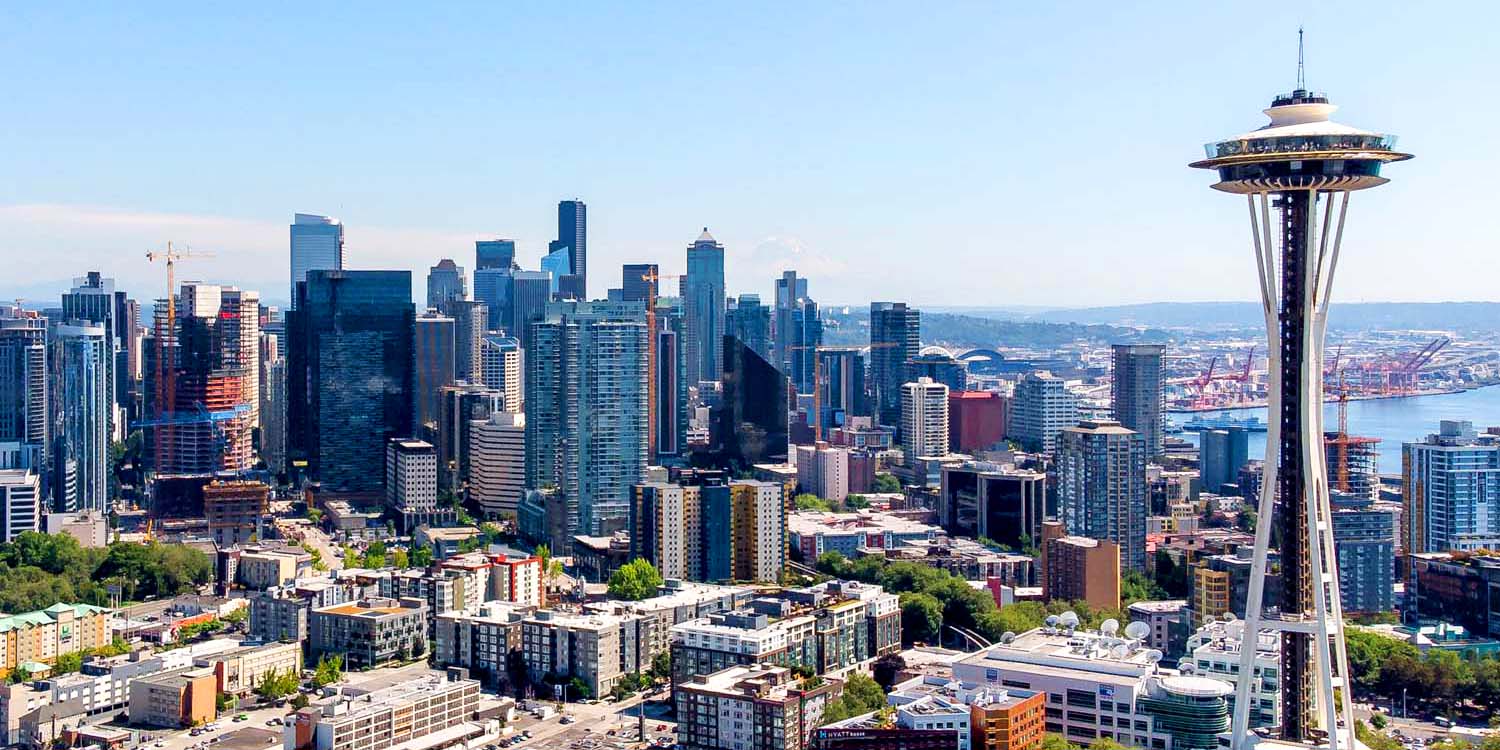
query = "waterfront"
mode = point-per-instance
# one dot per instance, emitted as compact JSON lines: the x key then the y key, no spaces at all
{"x":1393,"y":420}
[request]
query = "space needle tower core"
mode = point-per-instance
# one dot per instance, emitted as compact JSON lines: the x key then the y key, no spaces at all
{"x":1297,"y":173}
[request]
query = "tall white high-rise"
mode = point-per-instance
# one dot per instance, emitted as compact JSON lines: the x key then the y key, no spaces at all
{"x":1041,"y":408}
{"x":497,"y":462}
{"x":500,"y":368}
{"x":317,"y":244}
{"x":924,"y":419}
{"x":20,"y":502}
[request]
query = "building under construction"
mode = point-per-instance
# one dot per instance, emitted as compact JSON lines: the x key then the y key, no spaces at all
{"x":1353,"y":464}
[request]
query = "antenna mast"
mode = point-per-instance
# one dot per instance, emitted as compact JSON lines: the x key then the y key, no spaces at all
{"x":1301,"y":78}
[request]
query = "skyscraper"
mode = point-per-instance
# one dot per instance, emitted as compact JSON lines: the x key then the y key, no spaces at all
{"x":671,"y":392}
{"x":941,"y":367}
{"x":1042,"y":407}
{"x":789,"y":289}
{"x":529,"y":294}
{"x":750,"y":321}
{"x":446,"y":283}
{"x":586,"y":409}
{"x":1101,"y":486}
{"x":273,"y":405}
{"x":1135,"y":391}
{"x":1299,"y":160}
{"x":25,"y":430}
{"x":501,"y":369}
{"x":350,"y":373}
{"x":805,"y":336}
{"x":558,"y":263}
{"x":498,"y":254}
{"x":497,"y":463}
{"x":924,"y":419}
{"x":463,"y":405}
{"x":492,"y":289}
{"x":433,"y":367}
{"x":470,"y":324}
{"x":703,"y":303}
{"x":215,"y":405}
{"x":317,"y":244}
{"x":841,"y":393}
{"x":895,"y":337}
{"x":573,"y":233}
{"x":93,"y":299}
{"x":750,"y":424}
{"x":638,"y":282}
{"x":81,"y":448}
{"x":1221,"y":453}
{"x":1450,"y":484}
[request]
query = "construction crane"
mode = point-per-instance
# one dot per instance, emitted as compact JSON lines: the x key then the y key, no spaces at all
{"x":166,"y":373}
{"x":817,"y":415}
{"x":653,"y":277}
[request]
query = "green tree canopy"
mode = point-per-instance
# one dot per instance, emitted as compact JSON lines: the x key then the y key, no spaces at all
{"x":921,"y":618}
{"x":808,"y":501}
{"x":635,"y":580}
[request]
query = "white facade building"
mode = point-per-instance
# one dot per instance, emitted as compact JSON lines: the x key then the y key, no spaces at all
{"x":1040,"y":409}
{"x":20,"y":503}
{"x":411,"y":475}
{"x":924,"y":419}
{"x":497,"y":462}
{"x":500,"y":368}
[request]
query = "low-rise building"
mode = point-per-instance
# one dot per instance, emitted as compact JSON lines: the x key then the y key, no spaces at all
{"x":89,"y":527}
{"x":235,"y":510}
{"x":1082,"y":569}
{"x":240,"y":671}
{"x":756,"y":707}
{"x":46,"y":634}
{"x":598,"y":649}
{"x":814,"y":532}
{"x":179,"y":698}
{"x":264,"y":566}
{"x":1168,"y":622}
{"x":1459,"y":588}
{"x":1100,"y":685}
{"x":1214,"y":652}
{"x":488,"y":644}
{"x":369,"y":633}
{"x":281,"y":613}
{"x":428,"y":712}
{"x":446,"y":541}
{"x":676,"y":602}
{"x":964,"y":558}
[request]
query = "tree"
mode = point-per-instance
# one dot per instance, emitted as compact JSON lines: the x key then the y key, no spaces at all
{"x":661,"y":666}
{"x":1136,"y":587}
{"x":300,"y":701}
{"x":885,"y":484}
{"x":1378,"y":721}
{"x":921,"y":618}
{"x":421,"y":557}
{"x":375,"y":554}
{"x":315,"y":515}
{"x":635,"y":580}
{"x":580,"y":689}
{"x":1372,"y":739}
{"x":329,"y":670}
{"x":1052,"y":741}
{"x":68,"y":663}
{"x":1105,"y":743}
{"x":225,"y":702}
{"x":856,"y":502}
{"x":808,"y":501}
{"x":551,"y":568}
{"x":238,"y":616}
{"x":352,"y":559}
{"x":886,"y":668}
{"x":400,"y":559}
{"x":276,"y":685}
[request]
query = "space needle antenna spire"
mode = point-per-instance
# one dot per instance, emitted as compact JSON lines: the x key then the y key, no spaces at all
{"x":1301,"y":77}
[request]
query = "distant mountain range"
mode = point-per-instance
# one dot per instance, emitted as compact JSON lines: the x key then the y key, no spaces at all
{"x":1228,"y":315}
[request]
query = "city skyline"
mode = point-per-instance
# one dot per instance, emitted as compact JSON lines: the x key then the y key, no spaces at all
{"x":841,"y":143}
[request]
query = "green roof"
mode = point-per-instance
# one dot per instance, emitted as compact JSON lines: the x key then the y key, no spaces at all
{"x":46,"y":616}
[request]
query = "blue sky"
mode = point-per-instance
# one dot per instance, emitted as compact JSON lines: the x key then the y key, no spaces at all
{"x":945,"y":154}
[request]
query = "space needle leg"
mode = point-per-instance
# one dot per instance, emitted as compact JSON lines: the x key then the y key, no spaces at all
{"x":1265,"y":264}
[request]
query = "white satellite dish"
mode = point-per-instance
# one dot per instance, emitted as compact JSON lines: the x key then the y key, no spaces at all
{"x":1153,"y":656}
{"x":1110,"y":626}
{"x":1007,"y":637}
{"x":1137,"y":630}
{"x":1068,"y":620}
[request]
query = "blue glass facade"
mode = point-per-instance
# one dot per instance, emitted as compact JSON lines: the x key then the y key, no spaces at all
{"x":81,"y":358}
{"x":350,"y":361}
{"x":494,"y":254}
{"x":1451,"y":487}
{"x":703,"y":304}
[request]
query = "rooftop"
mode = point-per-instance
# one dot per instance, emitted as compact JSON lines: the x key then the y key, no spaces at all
{"x":369,"y":608}
{"x":357,"y":704}
{"x":809,"y":523}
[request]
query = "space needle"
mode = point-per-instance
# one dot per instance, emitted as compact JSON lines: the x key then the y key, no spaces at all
{"x":1296,"y":174}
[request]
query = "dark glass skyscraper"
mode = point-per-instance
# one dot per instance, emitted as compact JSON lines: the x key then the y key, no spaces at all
{"x":433,"y":367}
{"x":841,"y":394}
{"x":446,"y":283}
{"x":24,"y":426}
{"x":638,"y":282}
{"x":942,"y":368}
{"x":895,"y":338}
{"x":529,"y":293}
{"x":750,"y":321}
{"x":805,"y":336}
{"x":573,"y":233}
{"x":350,"y":380}
{"x":750,"y":426}
{"x":494,"y":254}
{"x":1135,"y":391}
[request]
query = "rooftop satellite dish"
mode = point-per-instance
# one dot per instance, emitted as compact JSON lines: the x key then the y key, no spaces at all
{"x":1229,"y":617}
{"x":1137,"y":630}
{"x":1186,"y":667}
{"x":1153,"y":656}
{"x":1068,"y":619}
{"x":1110,"y":626}
{"x":1051,"y":621}
{"x":1007,"y":637}
{"x":1120,"y":651}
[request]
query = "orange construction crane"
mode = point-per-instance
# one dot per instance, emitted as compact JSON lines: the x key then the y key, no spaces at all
{"x":166,"y":373}
{"x":817,"y":415}
{"x":653,"y":277}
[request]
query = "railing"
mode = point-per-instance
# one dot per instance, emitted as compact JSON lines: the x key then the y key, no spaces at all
{"x":1291,"y":144}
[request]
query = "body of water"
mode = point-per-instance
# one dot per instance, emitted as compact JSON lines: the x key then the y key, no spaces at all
{"x":1393,"y":420}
